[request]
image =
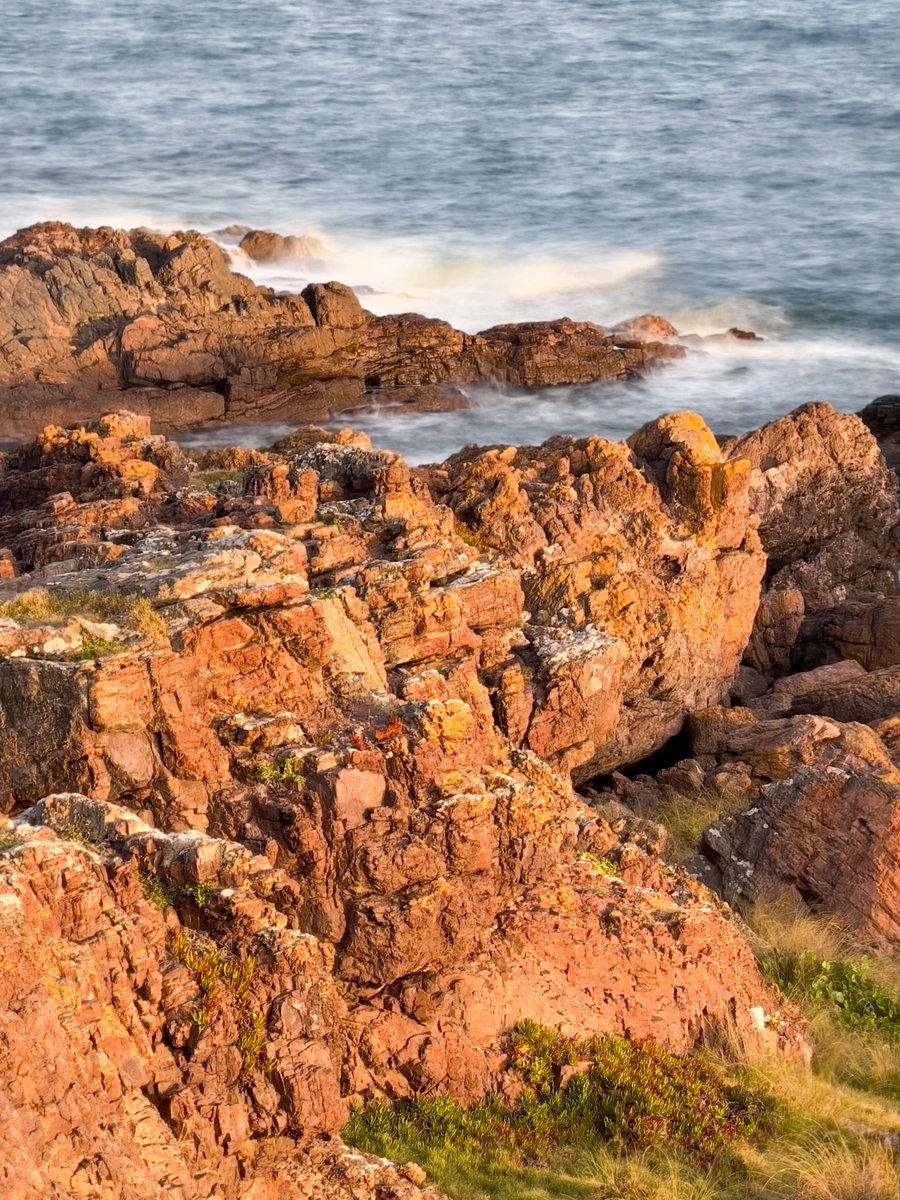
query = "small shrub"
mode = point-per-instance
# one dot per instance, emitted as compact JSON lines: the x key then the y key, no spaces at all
{"x":161,"y":893}
{"x":284,"y":770}
{"x":94,"y":646}
{"x":79,"y":830}
{"x":847,"y":989}
{"x":223,"y":978}
{"x":634,"y":1095}
{"x":472,"y":537}
{"x":133,"y":612}
{"x":251,"y":1040}
{"x":199,"y":892}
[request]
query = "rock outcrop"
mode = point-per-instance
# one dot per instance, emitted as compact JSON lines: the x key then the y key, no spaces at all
{"x":323,"y":723}
{"x":88,"y":313}
{"x":820,"y":819}
{"x":829,"y":523}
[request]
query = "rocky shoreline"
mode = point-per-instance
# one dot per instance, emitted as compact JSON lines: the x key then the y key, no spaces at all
{"x":322,"y":772}
{"x":97,"y":319}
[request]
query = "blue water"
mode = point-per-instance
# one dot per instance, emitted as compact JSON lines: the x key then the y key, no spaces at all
{"x":730,"y":163}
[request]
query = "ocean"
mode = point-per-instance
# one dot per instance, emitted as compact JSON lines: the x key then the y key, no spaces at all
{"x":729,"y":163}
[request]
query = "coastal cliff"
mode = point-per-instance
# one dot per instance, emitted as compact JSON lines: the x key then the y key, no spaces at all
{"x":323,"y":774}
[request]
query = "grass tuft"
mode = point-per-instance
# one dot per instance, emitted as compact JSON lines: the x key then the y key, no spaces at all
{"x":135,"y":613}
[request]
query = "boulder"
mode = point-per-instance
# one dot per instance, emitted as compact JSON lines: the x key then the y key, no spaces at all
{"x":264,"y":246}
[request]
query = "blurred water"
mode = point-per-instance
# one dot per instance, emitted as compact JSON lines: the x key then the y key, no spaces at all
{"x":487,"y":161}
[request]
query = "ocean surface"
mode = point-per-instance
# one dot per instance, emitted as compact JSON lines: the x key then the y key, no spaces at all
{"x":728,"y":163}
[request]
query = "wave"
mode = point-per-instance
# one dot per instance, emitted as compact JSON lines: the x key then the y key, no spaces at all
{"x":469,"y":287}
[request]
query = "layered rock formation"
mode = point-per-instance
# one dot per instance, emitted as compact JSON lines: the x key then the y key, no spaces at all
{"x":288,"y":766}
{"x":86,"y":314}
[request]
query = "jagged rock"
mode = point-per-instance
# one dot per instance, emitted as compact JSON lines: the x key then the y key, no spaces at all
{"x":829,"y":521}
{"x":85,"y":313}
{"x":865,"y":630}
{"x":640,"y":568}
{"x":326,"y":755}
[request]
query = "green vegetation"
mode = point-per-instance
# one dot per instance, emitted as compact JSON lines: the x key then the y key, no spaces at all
{"x":79,"y":830}
{"x":136,"y":613}
{"x":161,"y":893}
{"x":472,"y":537}
{"x":851,"y":1000}
{"x":93,"y":646}
{"x":281,"y":770}
{"x":198,"y":892}
{"x":603,"y":866}
{"x":329,"y":517}
{"x":9,"y":839}
{"x":223,"y":979}
{"x":164,"y":893}
{"x":608,"y":1119}
{"x":589,"y":1111}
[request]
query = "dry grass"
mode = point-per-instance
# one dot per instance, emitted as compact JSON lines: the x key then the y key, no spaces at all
{"x":686,"y":815}
{"x":836,"y":1169}
{"x":39,"y":606}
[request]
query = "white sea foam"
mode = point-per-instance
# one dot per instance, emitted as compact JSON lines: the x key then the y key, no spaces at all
{"x":470,"y":287}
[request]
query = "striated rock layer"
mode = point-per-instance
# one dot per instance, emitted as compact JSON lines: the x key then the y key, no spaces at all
{"x":88,"y":313}
{"x":288,"y":766}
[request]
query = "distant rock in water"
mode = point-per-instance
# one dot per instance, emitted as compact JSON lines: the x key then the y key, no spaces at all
{"x":264,"y":246}
{"x":87,"y":314}
{"x":882,"y":416}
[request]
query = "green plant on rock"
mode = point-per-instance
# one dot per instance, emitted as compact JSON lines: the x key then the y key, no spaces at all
{"x":250,"y":1040}
{"x":161,"y":893}
{"x":223,"y":978}
{"x":199,"y":892}
{"x":471,"y":537}
{"x":94,"y":646}
{"x":281,"y":770}
{"x":603,"y":866}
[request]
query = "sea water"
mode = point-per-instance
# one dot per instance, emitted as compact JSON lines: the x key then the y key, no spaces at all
{"x":724,"y":164}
